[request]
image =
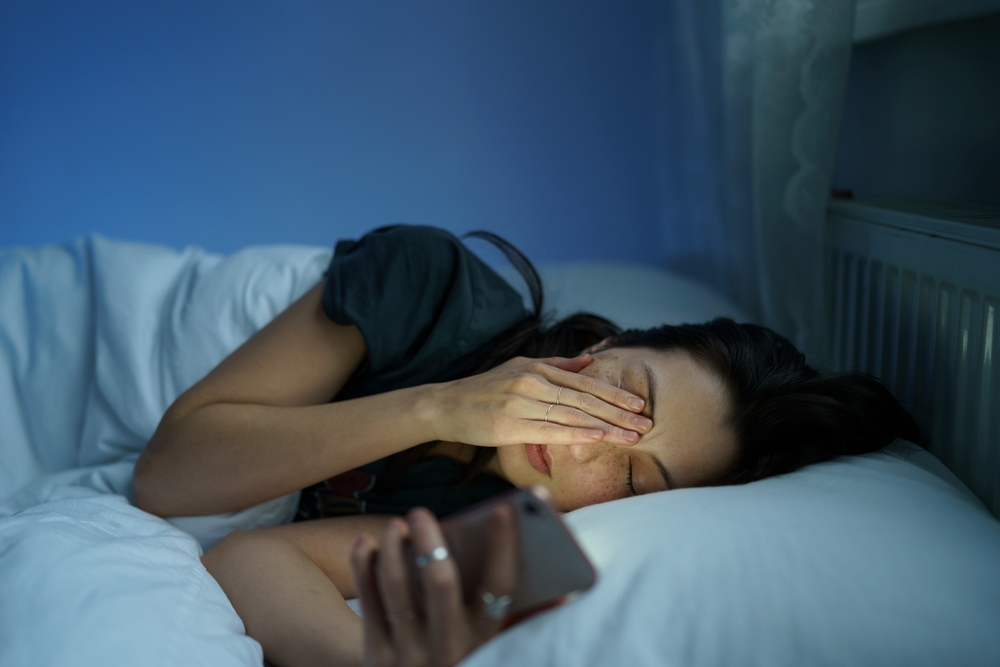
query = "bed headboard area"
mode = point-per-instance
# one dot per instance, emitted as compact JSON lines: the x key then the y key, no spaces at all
{"x":913,"y":294}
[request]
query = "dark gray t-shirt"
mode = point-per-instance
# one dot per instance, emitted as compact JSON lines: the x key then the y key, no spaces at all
{"x":428,"y":310}
{"x":426,"y":306}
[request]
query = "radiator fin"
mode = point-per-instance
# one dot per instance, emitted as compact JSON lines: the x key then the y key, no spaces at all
{"x":935,"y":344}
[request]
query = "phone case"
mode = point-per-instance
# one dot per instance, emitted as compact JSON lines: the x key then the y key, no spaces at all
{"x":552,"y":564}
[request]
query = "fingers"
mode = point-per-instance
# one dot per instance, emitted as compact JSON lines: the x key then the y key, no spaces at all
{"x":532,"y":419}
{"x":609,"y":394}
{"x":394,"y":633}
{"x":447,"y":630}
{"x":544,"y":401}
{"x":376,"y":626}
{"x":568,"y":424}
{"x":579,"y":401}
{"x":501,"y":571}
{"x":584,"y":410}
{"x":396,"y":595}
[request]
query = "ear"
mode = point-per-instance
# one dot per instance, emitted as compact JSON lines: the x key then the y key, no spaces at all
{"x":597,"y":347}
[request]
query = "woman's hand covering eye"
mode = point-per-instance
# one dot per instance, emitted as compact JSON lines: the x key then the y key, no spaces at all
{"x":397,"y":632}
{"x":520,"y":402}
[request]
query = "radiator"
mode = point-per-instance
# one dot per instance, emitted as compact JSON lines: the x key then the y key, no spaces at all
{"x":913,"y":296}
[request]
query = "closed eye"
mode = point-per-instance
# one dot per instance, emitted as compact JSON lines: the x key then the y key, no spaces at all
{"x":660,"y":468}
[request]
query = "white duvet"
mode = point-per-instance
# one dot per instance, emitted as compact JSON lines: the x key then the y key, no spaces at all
{"x":97,"y":338}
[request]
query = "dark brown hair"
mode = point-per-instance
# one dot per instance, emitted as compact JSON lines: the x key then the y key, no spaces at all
{"x":785,"y":414}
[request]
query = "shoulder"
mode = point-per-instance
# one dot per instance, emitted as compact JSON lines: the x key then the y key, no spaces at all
{"x":418,"y":263}
{"x":421,"y":299}
{"x":394,"y":240}
{"x":400,"y":258}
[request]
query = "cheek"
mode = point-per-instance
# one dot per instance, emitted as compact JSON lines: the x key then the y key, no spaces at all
{"x":590,"y":484}
{"x":605,"y":369}
{"x":511,"y":465}
{"x":517,"y":470}
{"x":597,"y":481}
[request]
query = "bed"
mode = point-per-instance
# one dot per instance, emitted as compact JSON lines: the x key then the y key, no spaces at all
{"x":882,"y":559}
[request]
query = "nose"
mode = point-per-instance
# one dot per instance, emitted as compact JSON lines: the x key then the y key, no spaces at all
{"x":585,"y":453}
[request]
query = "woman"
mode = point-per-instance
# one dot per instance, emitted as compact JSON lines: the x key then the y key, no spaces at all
{"x":445,"y":390}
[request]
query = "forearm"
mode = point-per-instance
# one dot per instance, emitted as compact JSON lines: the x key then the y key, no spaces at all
{"x":285,"y":600}
{"x":225,"y":457}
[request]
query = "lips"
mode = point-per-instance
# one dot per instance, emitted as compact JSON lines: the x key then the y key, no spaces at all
{"x":536,"y":457}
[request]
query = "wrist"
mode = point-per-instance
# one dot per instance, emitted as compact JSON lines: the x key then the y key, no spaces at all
{"x":429,"y":411}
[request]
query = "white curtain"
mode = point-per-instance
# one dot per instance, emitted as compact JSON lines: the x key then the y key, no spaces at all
{"x":751,"y":98}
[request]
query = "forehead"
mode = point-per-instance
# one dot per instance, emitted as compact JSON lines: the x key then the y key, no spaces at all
{"x":690,"y":406}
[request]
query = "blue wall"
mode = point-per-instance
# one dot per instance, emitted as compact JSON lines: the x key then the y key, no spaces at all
{"x":223,"y":123}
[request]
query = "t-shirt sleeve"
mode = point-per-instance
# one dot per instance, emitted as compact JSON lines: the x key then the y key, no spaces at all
{"x":423,"y":302}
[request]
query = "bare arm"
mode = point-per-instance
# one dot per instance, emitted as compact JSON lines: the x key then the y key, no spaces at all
{"x":260,"y":425}
{"x":288,"y":584}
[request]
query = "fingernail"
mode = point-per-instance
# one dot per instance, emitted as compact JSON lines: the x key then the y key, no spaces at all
{"x":642,"y":422}
{"x":631,"y":436}
{"x":636,"y":403}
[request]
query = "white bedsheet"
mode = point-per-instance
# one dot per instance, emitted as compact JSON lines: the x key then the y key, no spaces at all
{"x":883,"y":559}
{"x":97,"y":338}
{"x":90,"y":580}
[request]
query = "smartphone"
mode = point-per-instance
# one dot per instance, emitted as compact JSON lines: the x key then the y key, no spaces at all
{"x":552,"y":565}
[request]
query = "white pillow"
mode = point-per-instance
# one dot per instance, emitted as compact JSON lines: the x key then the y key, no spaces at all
{"x":883,"y":559}
{"x":630,"y":295}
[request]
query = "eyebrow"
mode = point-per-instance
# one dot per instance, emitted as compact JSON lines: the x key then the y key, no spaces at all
{"x":651,"y":401}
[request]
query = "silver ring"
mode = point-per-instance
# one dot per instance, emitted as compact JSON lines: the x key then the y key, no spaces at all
{"x":551,"y":405}
{"x":435,"y":554}
{"x":495,"y":607}
{"x":407,"y":615}
{"x":557,"y":395}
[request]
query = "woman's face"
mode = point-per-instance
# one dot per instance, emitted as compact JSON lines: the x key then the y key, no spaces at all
{"x":689,"y":444}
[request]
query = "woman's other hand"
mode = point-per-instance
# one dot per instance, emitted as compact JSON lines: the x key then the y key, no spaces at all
{"x":543,"y":401}
{"x":396,"y":632}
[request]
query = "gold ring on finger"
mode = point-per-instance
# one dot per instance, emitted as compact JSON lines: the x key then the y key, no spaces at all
{"x":551,"y":405}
